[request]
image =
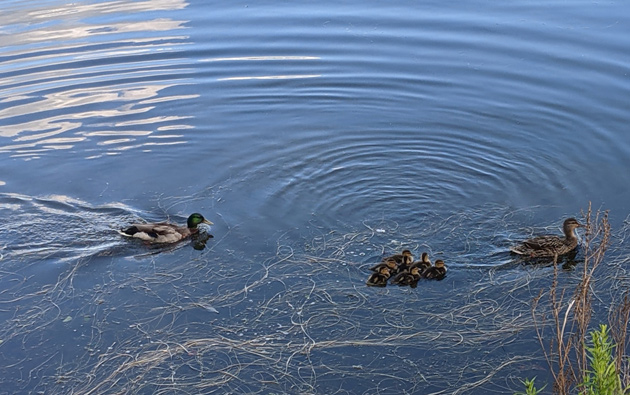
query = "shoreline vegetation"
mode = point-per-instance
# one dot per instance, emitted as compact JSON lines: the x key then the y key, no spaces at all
{"x":583,"y":358}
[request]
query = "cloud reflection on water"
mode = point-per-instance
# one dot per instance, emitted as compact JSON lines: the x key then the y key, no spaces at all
{"x":76,"y":73}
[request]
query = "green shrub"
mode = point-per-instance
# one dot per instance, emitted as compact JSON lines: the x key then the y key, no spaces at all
{"x":601,"y":378}
{"x":530,"y":388}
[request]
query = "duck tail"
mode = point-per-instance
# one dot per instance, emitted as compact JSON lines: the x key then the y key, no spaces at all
{"x":129,"y":232}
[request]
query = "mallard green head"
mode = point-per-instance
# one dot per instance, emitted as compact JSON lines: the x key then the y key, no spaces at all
{"x":196,"y":219}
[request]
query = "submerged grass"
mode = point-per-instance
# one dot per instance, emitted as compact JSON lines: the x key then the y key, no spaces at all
{"x":577,"y":367}
{"x":297,"y":320}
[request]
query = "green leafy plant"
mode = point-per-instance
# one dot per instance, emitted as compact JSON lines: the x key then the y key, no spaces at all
{"x":530,"y":387}
{"x":601,"y":378}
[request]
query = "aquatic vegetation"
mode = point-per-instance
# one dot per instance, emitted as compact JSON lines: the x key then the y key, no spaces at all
{"x":574,"y":365}
{"x":296,"y":318}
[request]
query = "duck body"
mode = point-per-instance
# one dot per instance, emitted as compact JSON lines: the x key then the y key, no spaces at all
{"x":379,"y":279}
{"x":164,"y":232}
{"x":437,"y":272}
{"x":409,"y":277}
{"x":423,"y":264}
{"x":389,"y":263}
{"x":403,"y":261}
{"x":549,"y":246}
{"x":406,"y":258}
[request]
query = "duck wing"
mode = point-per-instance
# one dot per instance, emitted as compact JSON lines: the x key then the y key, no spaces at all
{"x":156,"y":233}
{"x":420,"y":265}
{"x":400,"y":279}
{"x":377,"y":280}
{"x":434,"y":273}
{"x":543,"y":242}
{"x":378,"y":266}
{"x":545,"y":246}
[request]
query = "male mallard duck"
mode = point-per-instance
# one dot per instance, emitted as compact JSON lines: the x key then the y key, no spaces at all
{"x":423,"y":264}
{"x":436,"y":272}
{"x":410,"y":277}
{"x":379,"y":279}
{"x":164,"y":232}
{"x":389,"y":262}
{"x":550,"y":246}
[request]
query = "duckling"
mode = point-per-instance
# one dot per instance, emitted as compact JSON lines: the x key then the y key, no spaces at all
{"x":389,"y":262}
{"x":436,"y":272}
{"x":410,"y":277}
{"x":406,"y":258}
{"x":164,"y":232}
{"x":403,"y":261}
{"x":379,"y":279}
{"x":423,"y":264}
{"x":550,"y":246}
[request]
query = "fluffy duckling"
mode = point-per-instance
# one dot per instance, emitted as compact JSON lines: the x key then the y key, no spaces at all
{"x":423,"y":264}
{"x":406,"y":258}
{"x":436,"y":272}
{"x":379,"y":279}
{"x":164,"y":232}
{"x":389,"y":263}
{"x":550,"y":246}
{"x":409,"y":277}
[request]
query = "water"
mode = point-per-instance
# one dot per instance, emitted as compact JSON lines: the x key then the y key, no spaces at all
{"x":317,"y":138}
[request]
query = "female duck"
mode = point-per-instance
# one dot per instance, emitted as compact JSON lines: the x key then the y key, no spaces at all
{"x":164,"y":232}
{"x":550,"y":246}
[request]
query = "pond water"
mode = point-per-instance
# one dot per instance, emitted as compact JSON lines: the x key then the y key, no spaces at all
{"x":317,"y":138}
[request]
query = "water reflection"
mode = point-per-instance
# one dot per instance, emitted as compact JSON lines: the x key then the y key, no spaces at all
{"x":89,"y":79}
{"x":269,"y":77}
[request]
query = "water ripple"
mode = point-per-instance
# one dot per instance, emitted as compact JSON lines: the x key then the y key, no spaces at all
{"x":63,"y":77}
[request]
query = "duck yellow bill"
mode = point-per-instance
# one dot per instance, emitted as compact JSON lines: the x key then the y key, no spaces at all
{"x":205,"y":221}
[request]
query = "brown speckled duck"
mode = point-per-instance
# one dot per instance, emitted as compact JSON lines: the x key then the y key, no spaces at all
{"x":164,"y":232}
{"x":550,"y":246}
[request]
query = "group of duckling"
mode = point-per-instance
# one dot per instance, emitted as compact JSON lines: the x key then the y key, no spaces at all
{"x":402,"y":270}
